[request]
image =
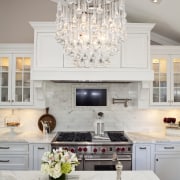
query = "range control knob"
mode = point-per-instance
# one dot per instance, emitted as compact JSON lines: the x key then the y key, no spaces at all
{"x":79,"y":149}
{"x":118,"y":149}
{"x":95,"y":150}
{"x":122,"y":149}
{"x":72,"y":150}
{"x":66,"y":148}
{"x":85,"y":149}
{"x":103,"y":150}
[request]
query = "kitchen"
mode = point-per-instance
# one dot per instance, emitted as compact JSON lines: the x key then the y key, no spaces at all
{"x":138,"y":116}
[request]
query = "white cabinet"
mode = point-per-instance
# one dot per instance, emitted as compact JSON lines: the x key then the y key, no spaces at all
{"x":132,"y":63}
{"x":15,"y":71}
{"x":143,"y":156}
{"x":14,"y":156}
{"x":165,"y":89}
{"x":167,"y":161}
{"x":36,"y":152}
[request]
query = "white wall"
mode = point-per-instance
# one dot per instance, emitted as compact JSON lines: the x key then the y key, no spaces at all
{"x":59,"y":98}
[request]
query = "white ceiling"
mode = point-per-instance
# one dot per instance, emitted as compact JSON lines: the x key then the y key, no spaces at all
{"x":16,"y":14}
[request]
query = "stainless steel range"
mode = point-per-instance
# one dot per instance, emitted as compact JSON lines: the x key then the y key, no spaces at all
{"x":96,"y":153}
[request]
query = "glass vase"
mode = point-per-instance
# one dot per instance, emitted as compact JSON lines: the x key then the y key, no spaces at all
{"x":62,"y":177}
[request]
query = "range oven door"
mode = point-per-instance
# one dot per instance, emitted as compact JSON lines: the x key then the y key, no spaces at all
{"x":80,"y":167}
{"x":104,"y":162}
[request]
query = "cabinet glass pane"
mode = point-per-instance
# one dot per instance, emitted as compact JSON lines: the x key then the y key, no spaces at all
{"x":4,"y":79}
{"x":156,"y":80}
{"x":176,"y":65}
{"x":19,"y":64}
{"x":156,"y":65}
{"x":26,"y":79}
{"x":18,"y":95}
{"x":163,"y":80}
{"x":176,"y":94}
{"x":4,"y":94}
{"x":26,"y":95}
{"x":163,"y":66}
{"x":27,"y":64}
{"x":18,"y":79}
{"x":163,"y":93}
{"x":4,"y":64}
{"x":176,"y":80}
{"x":155,"y":94}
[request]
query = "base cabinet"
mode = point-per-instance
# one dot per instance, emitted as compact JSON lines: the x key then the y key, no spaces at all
{"x":167,"y":161}
{"x":142,"y":157}
{"x":14,"y":156}
{"x":36,"y":153}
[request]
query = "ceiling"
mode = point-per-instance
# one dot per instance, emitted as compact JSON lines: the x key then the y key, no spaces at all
{"x":16,"y":14}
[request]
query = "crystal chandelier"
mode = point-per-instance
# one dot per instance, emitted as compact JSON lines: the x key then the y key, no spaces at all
{"x":91,"y":30}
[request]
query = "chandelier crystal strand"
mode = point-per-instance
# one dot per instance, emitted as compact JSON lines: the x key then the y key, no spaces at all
{"x":91,"y":31}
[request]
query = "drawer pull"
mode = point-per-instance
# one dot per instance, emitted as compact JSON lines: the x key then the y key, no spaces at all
{"x":169,"y":147}
{"x":142,"y":148}
{"x":41,"y":148}
{"x":4,"y":160}
{"x":4,"y":147}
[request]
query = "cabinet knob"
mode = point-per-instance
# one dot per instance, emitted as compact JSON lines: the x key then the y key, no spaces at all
{"x":157,"y":159}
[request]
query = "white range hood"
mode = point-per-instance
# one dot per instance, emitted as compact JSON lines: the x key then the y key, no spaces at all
{"x":133,"y":63}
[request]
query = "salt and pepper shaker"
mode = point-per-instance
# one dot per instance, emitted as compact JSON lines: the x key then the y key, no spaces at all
{"x":119,"y":168}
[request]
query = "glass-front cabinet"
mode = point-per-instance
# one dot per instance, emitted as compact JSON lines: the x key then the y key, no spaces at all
{"x":165,"y":88}
{"x":15,"y":82}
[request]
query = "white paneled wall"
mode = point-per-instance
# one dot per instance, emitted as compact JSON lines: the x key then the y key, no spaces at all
{"x":59,"y":98}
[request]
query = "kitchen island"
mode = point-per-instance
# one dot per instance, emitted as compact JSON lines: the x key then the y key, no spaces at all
{"x":80,"y":175}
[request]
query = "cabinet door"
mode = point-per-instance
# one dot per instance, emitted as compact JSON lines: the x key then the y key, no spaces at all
{"x":5,"y":79}
{"x":142,"y":157}
{"x":39,"y":150}
{"x":167,"y":166}
{"x":160,"y":92}
{"x":175,"y":79}
{"x":21,"y":81}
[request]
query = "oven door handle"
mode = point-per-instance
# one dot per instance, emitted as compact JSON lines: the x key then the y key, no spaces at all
{"x":99,"y":159}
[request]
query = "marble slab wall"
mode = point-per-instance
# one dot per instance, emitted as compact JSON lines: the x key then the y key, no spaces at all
{"x":60,"y":99}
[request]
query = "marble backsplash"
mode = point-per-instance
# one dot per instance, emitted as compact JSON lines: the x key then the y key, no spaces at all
{"x":60,"y":99}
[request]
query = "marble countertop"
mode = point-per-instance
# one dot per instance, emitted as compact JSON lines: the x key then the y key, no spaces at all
{"x":39,"y":137}
{"x":26,"y":137}
{"x":152,"y":137}
{"x":80,"y":175}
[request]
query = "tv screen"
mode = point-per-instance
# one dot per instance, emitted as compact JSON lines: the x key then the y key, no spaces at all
{"x":91,"y":97}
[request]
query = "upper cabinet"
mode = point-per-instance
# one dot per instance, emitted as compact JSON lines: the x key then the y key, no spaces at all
{"x":131,"y":64}
{"x":15,"y":72}
{"x":165,"y":89}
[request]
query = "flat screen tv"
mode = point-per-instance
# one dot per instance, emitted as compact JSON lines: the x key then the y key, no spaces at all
{"x":91,"y":97}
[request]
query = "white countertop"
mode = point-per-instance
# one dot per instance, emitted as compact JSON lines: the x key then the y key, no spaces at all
{"x":153,"y":137}
{"x":80,"y":175}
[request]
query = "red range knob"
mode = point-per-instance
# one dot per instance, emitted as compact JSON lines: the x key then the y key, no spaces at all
{"x":72,"y":150}
{"x":85,"y":149}
{"x":66,"y":148}
{"x":118,"y":149}
{"x":79,"y":149}
{"x":103,"y":150}
{"x":122,"y":149}
{"x":95,"y":150}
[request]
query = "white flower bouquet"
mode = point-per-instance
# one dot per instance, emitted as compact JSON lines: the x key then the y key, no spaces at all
{"x":58,"y":163}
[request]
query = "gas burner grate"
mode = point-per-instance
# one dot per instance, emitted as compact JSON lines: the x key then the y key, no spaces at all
{"x":65,"y":136}
{"x":74,"y":136}
{"x":117,"y":136}
{"x":83,"y":136}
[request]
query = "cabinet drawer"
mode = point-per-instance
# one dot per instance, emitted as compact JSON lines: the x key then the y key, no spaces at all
{"x":167,"y":147}
{"x":6,"y":148}
{"x":13,"y":162}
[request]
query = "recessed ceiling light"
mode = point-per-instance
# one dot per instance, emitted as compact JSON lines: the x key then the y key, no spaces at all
{"x":155,"y":1}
